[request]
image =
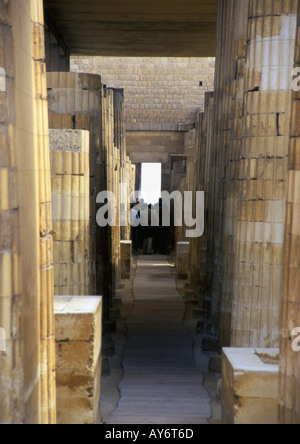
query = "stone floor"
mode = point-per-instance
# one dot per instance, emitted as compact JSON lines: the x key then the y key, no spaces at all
{"x":159,"y":374}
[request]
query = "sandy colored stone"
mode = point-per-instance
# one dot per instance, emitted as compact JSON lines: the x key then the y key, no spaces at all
{"x":250,"y":387}
{"x":78,"y":331}
{"x":126,"y":251}
{"x":182,"y":256}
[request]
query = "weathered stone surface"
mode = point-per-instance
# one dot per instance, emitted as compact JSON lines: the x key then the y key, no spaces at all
{"x":289,"y":393}
{"x":70,"y":177}
{"x":27,"y":376}
{"x":250,"y":387}
{"x":182,"y":257}
{"x":78,"y":332}
{"x":81,"y":102}
{"x":163,"y":96}
{"x":69,"y":140}
{"x":126,"y":250}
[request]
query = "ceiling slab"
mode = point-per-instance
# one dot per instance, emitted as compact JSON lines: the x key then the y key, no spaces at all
{"x":133,"y":28}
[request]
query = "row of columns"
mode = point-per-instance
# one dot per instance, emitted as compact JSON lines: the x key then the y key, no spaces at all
{"x":246,"y":159}
{"x":81,"y":102}
{"x":49,"y":239}
{"x":251,"y":179}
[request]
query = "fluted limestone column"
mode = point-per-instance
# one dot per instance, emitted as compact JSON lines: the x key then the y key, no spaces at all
{"x":289,"y":392}
{"x":74,"y":102}
{"x":27,"y":377}
{"x":221,"y":171}
{"x":196,"y":173}
{"x":220,"y":137}
{"x":263,"y":174}
{"x":112,"y":155}
{"x":71,"y":210}
{"x":231,"y":114}
{"x":47,"y":332}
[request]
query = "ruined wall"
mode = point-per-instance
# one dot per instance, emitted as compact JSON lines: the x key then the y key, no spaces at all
{"x":289,"y":393}
{"x":27,"y":380}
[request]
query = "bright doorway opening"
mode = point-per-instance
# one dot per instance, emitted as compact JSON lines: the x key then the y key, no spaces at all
{"x":151,"y":182}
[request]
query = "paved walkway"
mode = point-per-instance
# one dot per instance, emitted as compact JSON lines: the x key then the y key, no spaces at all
{"x":161,"y":384}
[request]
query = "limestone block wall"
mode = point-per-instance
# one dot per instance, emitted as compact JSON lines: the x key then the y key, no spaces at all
{"x":159,"y":92}
{"x":156,"y":147}
{"x":27,"y":379}
{"x":71,"y":211}
{"x":289,"y":393}
{"x":162,"y":98}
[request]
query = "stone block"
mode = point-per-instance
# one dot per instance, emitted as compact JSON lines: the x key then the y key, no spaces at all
{"x":182,"y":259}
{"x":250,"y":386}
{"x":186,"y":127}
{"x":78,"y":332}
{"x":126,"y":250}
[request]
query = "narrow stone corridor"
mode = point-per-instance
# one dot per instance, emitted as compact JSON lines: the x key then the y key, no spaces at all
{"x":207,"y":95}
{"x":161,"y":384}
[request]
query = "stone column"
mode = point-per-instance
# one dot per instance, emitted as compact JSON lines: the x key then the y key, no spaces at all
{"x":126,"y":252}
{"x":289,"y":392}
{"x":182,"y":258}
{"x":221,"y":163}
{"x":197,"y":164}
{"x":263,"y":172}
{"x":71,"y":210}
{"x":27,"y":379}
{"x":75,"y":103}
{"x":230,"y":138}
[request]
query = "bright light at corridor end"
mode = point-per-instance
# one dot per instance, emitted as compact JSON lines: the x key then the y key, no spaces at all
{"x":151,"y":182}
